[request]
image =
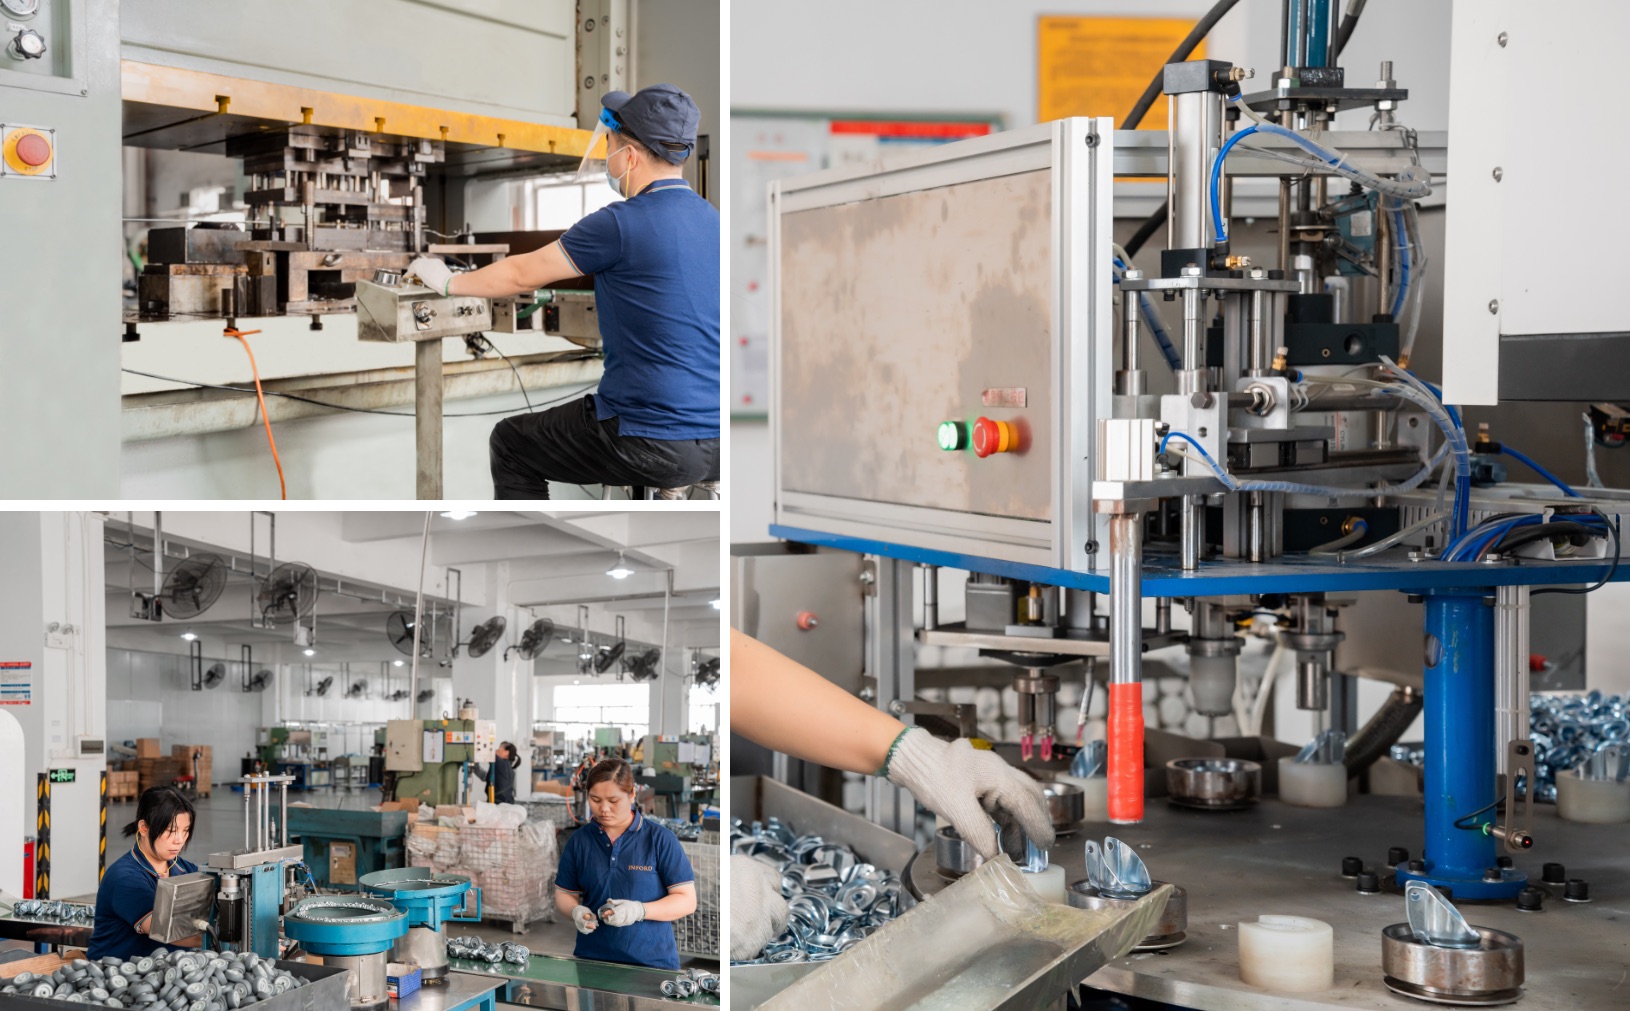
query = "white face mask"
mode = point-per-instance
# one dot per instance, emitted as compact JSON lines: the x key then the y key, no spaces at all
{"x":615,"y":182}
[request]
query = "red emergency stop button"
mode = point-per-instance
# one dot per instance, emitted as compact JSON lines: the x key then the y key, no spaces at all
{"x":32,"y":150}
{"x":990,"y":436}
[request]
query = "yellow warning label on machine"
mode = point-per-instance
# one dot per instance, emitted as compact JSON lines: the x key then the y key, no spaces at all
{"x":1098,"y":66}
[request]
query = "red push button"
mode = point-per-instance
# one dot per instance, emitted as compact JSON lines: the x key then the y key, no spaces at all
{"x":33,"y":150}
{"x":991,"y":436}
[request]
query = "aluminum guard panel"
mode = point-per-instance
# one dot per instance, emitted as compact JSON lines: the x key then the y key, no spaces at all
{"x":899,"y":313}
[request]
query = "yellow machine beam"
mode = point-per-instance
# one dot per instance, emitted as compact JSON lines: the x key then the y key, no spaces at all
{"x":239,"y":99}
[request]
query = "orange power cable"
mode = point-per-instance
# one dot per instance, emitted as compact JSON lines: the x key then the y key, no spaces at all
{"x":242,"y":336}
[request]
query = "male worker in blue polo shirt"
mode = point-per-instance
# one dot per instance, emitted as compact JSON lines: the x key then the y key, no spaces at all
{"x":654,"y":421}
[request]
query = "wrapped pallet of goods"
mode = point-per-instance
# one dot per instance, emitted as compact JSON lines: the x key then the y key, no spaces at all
{"x":511,"y":860}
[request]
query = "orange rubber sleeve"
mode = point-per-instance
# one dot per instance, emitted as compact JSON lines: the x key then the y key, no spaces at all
{"x":1126,"y":753}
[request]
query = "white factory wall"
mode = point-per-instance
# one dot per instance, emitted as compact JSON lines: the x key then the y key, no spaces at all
{"x":150,"y":695}
{"x":677,"y":42}
{"x":510,"y":58}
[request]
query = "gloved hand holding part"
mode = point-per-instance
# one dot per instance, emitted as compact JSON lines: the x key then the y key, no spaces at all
{"x":435,"y":274}
{"x":584,"y":920}
{"x":968,"y":788}
{"x":622,"y":912}
{"x":785,"y":706}
{"x":758,"y":913}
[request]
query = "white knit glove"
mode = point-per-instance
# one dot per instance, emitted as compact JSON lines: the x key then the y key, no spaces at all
{"x":758,"y":913}
{"x":969,"y":789}
{"x":434,"y":273}
{"x":583,"y":919}
{"x":622,"y":912}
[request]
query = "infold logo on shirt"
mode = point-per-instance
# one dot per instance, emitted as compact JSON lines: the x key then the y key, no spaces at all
{"x":638,"y":867}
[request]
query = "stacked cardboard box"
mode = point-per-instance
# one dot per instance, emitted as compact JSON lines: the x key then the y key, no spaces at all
{"x":151,"y":772}
{"x":122,"y":785}
{"x":147,"y":747}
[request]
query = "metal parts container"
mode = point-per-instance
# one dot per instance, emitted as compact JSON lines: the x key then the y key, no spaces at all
{"x":324,"y":991}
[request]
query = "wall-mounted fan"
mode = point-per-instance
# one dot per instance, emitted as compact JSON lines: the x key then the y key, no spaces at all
{"x":399,"y":628}
{"x":643,"y":666}
{"x":259,"y":682}
{"x":397,"y":695}
{"x":485,"y":636}
{"x":192,"y":586}
{"x":322,"y":687}
{"x":357,"y":689}
{"x":707,"y":672}
{"x":215,"y":675}
{"x":288,"y":594}
{"x":535,"y":639}
{"x":608,"y":657}
{"x":426,"y":694}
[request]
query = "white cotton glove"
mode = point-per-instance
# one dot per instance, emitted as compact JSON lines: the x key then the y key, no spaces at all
{"x":583,"y":919}
{"x":758,"y":913}
{"x":969,"y":788}
{"x":434,"y":273}
{"x":622,"y":912}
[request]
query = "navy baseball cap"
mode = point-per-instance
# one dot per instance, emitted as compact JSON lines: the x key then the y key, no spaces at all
{"x":661,"y":117}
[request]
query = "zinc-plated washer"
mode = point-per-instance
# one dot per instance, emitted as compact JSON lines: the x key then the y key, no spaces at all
{"x":1168,"y":932}
{"x":1490,"y":974}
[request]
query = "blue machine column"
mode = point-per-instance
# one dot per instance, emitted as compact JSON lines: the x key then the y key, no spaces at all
{"x":1460,"y":759}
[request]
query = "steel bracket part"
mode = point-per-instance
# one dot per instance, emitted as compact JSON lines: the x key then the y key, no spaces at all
{"x":1519,"y":805}
{"x":1433,"y":919}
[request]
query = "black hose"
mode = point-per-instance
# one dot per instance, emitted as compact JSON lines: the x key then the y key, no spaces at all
{"x":1349,"y":21}
{"x":1147,"y":230}
{"x":1383,"y":729}
{"x":1146,"y":101}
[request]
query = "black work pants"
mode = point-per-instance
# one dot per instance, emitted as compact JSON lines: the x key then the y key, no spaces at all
{"x":569,"y":444}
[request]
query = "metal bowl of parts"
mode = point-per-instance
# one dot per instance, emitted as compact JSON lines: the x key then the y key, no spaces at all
{"x":1213,"y":784}
{"x":954,"y":855}
{"x":1067,"y":804}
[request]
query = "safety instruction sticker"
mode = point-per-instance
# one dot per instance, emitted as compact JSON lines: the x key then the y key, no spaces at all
{"x":1099,"y":66}
{"x":16,"y":682}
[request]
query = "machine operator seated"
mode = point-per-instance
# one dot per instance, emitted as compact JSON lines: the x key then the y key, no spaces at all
{"x":124,"y":901}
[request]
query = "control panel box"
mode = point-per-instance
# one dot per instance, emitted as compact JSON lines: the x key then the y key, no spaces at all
{"x":404,"y":746}
{"x":402,"y":312}
{"x":485,"y":738}
{"x":941,"y":345}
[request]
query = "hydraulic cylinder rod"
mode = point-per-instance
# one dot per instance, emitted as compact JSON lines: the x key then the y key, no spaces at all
{"x":1125,"y":668}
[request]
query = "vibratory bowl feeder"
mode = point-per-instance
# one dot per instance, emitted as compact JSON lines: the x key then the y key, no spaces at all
{"x":430,"y":900}
{"x":352,"y":932}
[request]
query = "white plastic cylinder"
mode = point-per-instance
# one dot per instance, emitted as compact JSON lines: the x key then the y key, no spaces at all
{"x":1307,"y":785}
{"x":1290,"y":954}
{"x":1047,"y":883}
{"x":1592,"y":801}
{"x":1094,"y":796}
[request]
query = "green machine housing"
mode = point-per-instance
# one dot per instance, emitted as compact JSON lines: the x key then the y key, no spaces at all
{"x":426,"y":765}
{"x":341,"y":847}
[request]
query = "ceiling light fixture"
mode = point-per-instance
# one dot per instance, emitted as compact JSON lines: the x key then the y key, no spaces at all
{"x":189,"y":635}
{"x":398,"y":663}
{"x":619,"y":571}
{"x":715,"y":603}
{"x":310,"y":652}
{"x":458,"y":514}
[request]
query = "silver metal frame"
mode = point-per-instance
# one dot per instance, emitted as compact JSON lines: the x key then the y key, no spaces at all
{"x":1079,"y":152}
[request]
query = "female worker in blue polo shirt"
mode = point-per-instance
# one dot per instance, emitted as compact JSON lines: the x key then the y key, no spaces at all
{"x":124,"y":901}
{"x":623,"y":878}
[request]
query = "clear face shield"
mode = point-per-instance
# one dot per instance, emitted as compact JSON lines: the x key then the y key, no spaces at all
{"x":594,"y":158}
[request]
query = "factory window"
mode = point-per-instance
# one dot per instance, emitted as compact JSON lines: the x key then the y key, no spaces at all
{"x":704,"y":710}
{"x":581,"y":708}
{"x":563,"y":201}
